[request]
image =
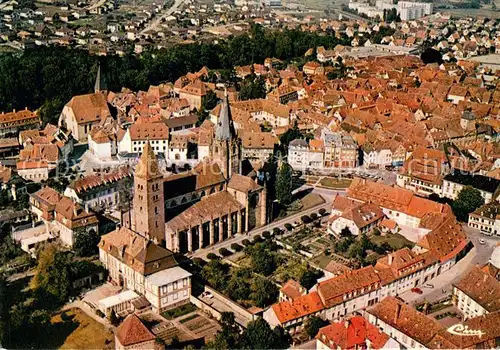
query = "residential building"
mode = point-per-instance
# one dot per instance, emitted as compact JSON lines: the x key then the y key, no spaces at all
{"x":341,"y":151}
{"x":36,"y":163}
{"x":353,"y":333}
{"x":360,"y":218}
{"x":283,"y":94}
{"x":102,"y":191}
{"x":139,"y":134}
{"x":292,"y":314}
{"x":62,"y":217}
{"x":486,"y":219}
{"x":423,"y":171}
{"x":298,"y":154}
{"x":194,"y":92}
{"x":291,"y":290}
{"x":477,"y":293}
{"x":13,"y":122}
{"x":455,"y":182}
{"x":414,"y":330}
{"x":257,"y":146}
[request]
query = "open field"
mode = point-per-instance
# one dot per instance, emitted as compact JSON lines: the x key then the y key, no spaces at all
{"x":86,"y":333}
{"x":396,"y":241}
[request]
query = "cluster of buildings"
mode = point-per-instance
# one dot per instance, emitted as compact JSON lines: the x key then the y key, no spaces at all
{"x":440,"y":243}
{"x":407,"y":10}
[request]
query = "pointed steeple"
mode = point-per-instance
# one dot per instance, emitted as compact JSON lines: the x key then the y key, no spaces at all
{"x":225,"y":128}
{"x":100,"y":84}
{"x":147,"y":168}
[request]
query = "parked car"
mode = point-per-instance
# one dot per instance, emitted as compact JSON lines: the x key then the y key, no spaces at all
{"x":207,"y":294}
{"x":428,"y":285}
{"x":417,"y":290}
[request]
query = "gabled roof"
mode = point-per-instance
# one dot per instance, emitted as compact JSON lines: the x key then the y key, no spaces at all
{"x":305,"y":305}
{"x":483,"y":288}
{"x":147,"y":167}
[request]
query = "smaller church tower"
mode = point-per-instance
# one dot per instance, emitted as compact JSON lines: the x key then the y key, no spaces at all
{"x":149,"y":210}
{"x":100,"y":84}
{"x":226,"y":146}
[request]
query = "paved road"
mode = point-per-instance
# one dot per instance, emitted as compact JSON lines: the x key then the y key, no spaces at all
{"x":156,"y":22}
{"x":479,"y":255}
{"x":238,"y":238}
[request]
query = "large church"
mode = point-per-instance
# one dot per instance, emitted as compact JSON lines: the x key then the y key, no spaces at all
{"x":202,"y":206}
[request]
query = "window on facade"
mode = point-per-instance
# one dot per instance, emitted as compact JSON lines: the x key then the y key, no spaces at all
{"x":176,"y":296}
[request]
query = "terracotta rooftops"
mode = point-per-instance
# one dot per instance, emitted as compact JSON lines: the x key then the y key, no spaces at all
{"x":136,"y":251}
{"x":73,"y":215}
{"x":209,"y":207}
{"x":149,"y":131}
{"x":393,"y":198}
{"x":352,"y":334}
{"x":132,"y":331}
{"x":197,"y":88}
{"x":292,"y":289}
{"x":335,"y":290}
{"x":243,"y":183}
{"x":47,"y":195}
{"x":89,"y":108}
{"x":264,"y":140}
{"x":482,"y":288}
{"x":202,"y":176}
{"x":23,"y":115}
{"x":305,"y":305}
{"x":406,"y":319}
{"x":92,"y":181}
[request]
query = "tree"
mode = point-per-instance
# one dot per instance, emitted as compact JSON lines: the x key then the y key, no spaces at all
{"x":238,"y":288}
{"x":252,"y":89}
{"x":468,"y":200}
{"x":259,"y":335}
{"x":345,"y":232}
{"x":264,"y":292}
{"x":310,"y":277}
{"x":228,"y":337}
{"x":284,"y":184}
{"x":215,"y":273}
{"x":53,"y":274}
{"x":263,"y":261}
{"x":313,"y":325}
{"x":113,"y":318}
{"x":236,"y":247}
{"x":86,"y":242}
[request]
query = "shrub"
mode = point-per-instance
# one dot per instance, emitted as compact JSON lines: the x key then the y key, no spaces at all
{"x":257,"y":239}
{"x":305,"y":219}
{"x":100,"y":313}
{"x":246,"y":242}
{"x":288,"y":226}
{"x":322,"y":211}
{"x":199,"y":262}
{"x":277,"y":231}
{"x":236,"y":247}
{"x":212,"y":256}
{"x":266,"y":234}
{"x":313,"y":216}
{"x":225,"y":252}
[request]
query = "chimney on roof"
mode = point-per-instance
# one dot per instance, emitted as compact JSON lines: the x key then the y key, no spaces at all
{"x":485,"y":277}
{"x":346,"y":323}
{"x":398,"y":312}
{"x":391,"y":258}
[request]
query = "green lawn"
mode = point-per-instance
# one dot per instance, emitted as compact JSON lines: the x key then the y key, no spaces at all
{"x":291,"y":269}
{"x":179,"y":311}
{"x":335,"y":183}
{"x":396,"y":241}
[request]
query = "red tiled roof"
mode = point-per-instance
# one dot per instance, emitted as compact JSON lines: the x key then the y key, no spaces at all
{"x":132,"y":331}
{"x":303,"y":306}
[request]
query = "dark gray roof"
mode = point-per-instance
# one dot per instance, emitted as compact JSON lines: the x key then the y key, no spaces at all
{"x":225,"y":128}
{"x":298,"y":143}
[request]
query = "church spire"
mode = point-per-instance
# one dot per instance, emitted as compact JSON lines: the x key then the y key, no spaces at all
{"x":100,"y":84}
{"x":225,"y":128}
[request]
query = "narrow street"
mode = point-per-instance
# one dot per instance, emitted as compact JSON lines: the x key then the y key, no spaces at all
{"x":479,"y":255}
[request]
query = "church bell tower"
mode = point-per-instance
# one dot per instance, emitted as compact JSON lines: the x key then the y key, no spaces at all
{"x":149,"y":207}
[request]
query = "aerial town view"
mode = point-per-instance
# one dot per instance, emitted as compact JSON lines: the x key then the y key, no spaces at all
{"x":276,"y":174}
